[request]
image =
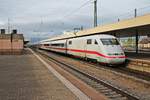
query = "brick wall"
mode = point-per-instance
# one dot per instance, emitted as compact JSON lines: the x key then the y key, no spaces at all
{"x":8,"y":46}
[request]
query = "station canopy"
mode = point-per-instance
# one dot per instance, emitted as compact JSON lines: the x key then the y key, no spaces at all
{"x":122,"y":28}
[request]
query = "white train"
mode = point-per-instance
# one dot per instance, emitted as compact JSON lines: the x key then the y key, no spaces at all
{"x":102,"y":48}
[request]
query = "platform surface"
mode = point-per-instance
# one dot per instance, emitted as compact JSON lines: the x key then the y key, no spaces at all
{"x":24,"y":77}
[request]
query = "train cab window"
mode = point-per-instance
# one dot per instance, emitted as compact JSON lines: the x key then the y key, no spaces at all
{"x":110,"y":41}
{"x":95,"y":42}
{"x":70,"y":42}
{"x":89,"y":41}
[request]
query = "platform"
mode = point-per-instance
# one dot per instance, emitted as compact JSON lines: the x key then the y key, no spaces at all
{"x":24,"y":77}
{"x":139,"y":56}
{"x":140,"y":61}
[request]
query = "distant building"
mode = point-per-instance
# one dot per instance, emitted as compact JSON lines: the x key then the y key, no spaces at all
{"x":145,"y":43}
{"x":11,"y":43}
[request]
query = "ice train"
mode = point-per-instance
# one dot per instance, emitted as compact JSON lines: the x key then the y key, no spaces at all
{"x":101,"y":48}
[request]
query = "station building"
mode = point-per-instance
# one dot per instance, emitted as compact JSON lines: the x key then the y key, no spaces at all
{"x":11,"y":43}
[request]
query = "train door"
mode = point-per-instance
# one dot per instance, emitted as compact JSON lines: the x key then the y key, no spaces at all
{"x":84,"y":47}
{"x":92,"y":48}
{"x":66,"y":46}
{"x":87,"y":47}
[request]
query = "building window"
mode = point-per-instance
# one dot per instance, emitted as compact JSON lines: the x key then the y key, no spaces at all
{"x":70,"y":42}
{"x":89,"y":41}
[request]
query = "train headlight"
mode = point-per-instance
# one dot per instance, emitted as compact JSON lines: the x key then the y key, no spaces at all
{"x":110,"y":54}
{"x":121,"y":53}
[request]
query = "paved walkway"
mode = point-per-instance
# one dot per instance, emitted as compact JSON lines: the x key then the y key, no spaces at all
{"x":24,"y":77}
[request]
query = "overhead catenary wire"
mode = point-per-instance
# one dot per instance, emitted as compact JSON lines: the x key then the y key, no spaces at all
{"x":76,"y":10}
{"x":61,"y":19}
{"x":71,"y":13}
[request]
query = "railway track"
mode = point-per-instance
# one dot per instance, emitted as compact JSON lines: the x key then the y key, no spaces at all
{"x":110,"y":91}
{"x":142,"y":76}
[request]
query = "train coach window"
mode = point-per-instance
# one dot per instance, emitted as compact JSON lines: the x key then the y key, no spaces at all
{"x":58,"y":45}
{"x":70,"y":42}
{"x":53,"y":44}
{"x":89,"y":41}
{"x":46,"y":44}
{"x":62,"y":45}
{"x":95,"y":42}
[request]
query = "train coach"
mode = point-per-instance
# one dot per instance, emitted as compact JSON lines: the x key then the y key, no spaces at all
{"x":101,"y":48}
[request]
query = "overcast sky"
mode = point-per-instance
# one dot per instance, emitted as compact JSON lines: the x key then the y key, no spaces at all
{"x":43,"y":18}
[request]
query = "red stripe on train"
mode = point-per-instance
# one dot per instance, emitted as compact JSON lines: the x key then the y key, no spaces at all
{"x":90,"y":52}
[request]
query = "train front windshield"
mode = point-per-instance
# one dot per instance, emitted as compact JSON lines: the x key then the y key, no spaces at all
{"x":110,"y":41}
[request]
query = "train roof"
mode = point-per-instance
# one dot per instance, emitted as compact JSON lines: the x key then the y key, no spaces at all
{"x":61,"y":37}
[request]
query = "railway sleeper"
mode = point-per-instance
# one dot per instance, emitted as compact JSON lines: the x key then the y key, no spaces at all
{"x":121,"y":98}
{"x":115,"y":96}
{"x":106,"y":91}
{"x":99,"y":86}
{"x":103,"y":88}
{"x":111,"y":93}
{"x":96,"y":84}
{"x":93,"y":83}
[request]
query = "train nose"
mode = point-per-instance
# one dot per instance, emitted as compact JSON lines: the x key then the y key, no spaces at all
{"x":116,"y":60}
